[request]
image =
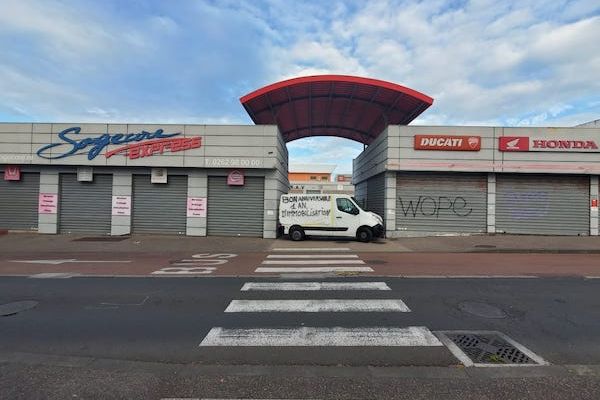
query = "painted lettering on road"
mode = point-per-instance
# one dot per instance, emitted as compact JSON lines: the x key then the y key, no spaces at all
{"x":197,"y":264}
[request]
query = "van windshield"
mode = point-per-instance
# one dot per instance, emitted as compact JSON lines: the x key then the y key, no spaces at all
{"x":356,"y":203}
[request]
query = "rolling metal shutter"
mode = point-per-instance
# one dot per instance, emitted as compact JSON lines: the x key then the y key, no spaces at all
{"x":441,"y":202}
{"x":159,"y":207}
{"x":235,"y":210}
{"x":19,"y":202}
{"x":376,"y":194}
{"x":85,"y":206}
{"x":543,"y":204}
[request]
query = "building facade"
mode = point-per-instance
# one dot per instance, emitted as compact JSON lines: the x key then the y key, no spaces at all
{"x":198,"y":180}
{"x":117,"y":179}
{"x":431,"y":180}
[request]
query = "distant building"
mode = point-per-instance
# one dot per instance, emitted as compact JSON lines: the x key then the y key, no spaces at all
{"x":591,"y":124}
{"x":318,"y":178}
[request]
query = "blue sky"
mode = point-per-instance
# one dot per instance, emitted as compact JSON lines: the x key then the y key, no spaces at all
{"x":485,"y":62}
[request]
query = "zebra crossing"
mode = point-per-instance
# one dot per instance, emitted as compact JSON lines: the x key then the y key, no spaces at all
{"x":317,"y":336}
{"x":294,"y":260}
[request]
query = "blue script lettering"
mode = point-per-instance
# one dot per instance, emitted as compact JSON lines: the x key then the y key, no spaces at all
{"x":98,"y":143}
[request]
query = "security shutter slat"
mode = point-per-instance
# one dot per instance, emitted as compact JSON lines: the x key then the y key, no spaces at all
{"x":235,"y":210}
{"x":159,"y":207}
{"x":85,"y":206}
{"x":543,"y":204}
{"x":19,"y":202}
{"x":376,"y":194}
{"x":441,"y":202}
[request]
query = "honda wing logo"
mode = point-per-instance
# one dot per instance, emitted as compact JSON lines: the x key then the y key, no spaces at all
{"x":514,"y":143}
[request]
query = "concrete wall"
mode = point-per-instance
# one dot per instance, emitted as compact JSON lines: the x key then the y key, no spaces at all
{"x":223,"y":146}
{"x":403,"y":157}
{"x":374,"y":159}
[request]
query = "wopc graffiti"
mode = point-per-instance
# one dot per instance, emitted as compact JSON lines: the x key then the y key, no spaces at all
{"x":429,"y":206}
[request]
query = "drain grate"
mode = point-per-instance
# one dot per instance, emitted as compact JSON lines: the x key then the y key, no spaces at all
{"x":486,"y":348}
{"x":101,"y":239}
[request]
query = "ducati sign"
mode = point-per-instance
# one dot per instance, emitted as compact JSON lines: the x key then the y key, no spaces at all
{"x":525,"y":143}
{"x":447,"y":142}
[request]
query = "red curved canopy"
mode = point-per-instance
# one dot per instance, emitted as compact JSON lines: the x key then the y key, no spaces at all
{"x":334,"y":105}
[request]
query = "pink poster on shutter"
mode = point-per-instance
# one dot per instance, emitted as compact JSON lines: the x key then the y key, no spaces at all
{"x":48,"y":203}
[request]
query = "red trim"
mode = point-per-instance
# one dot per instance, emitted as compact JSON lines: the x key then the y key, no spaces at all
{"x":337,"y":78}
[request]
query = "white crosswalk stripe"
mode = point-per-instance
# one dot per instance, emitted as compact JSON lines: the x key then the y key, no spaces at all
{"x":320,"y":305}
{"x":310,"y":336}
{"x":311,"y":262}
{"x":317,"y":256}
{"x":313,"y":286}
{"x":285,"y":270}
{"x":311,"y":249}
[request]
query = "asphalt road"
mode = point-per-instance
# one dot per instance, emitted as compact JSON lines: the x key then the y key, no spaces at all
{"x":144,"y":333}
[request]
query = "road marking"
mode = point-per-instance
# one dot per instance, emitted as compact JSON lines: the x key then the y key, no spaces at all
{"x":468,"y":276}
{"x":308,"y":336}
{"x":294,"y":256}
{"x":69,"y":260}
{"x":311,"y":249}
{"x":304,"y":286}
{"x":185,"y":271}
{"x":318,"y":305}
{"x":311,"y":262}
{"x":54,"y":275}
{"x":313,"y":269}
{"x":592,"y":277}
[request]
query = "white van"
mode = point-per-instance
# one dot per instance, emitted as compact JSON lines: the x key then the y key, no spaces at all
{"x":303,"y":215}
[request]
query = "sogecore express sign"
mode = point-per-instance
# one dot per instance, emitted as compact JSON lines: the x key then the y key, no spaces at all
{"x":143,"y":144}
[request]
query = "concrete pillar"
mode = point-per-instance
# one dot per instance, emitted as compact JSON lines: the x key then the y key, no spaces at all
{"x":390,"y":203}
{"x":197,"y":187}
{"x":48,"y":223}
{"x":491,"y":203}
{"x":273,"y":191}
{"x":122,"y":186}
{"x":594,"y":195}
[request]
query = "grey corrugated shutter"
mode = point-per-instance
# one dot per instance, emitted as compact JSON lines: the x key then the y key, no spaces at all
{"x":376,"y":194}
{"x":159,"y":207}
{"x":19,"y":202}
{"x":441,"y":202}
{"x":543,"y":204}
{"x":85,"y":206}
{"x":235,"y":210}
{"x":360,"y":194}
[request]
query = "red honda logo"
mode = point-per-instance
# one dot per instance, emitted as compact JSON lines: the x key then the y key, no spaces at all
{"x":514,"y":143}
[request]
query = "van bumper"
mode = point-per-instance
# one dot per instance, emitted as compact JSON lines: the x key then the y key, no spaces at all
{"x":378,"y":230}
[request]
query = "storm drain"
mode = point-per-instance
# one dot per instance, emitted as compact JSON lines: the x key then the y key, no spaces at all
{"x":488,"y":349}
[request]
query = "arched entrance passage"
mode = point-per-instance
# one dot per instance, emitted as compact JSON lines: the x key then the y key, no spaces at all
{"x":351,"y":107}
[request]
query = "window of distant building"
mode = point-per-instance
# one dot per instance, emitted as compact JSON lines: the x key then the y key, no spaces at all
{"x":323,"y":178}
{"x":313,"y":178}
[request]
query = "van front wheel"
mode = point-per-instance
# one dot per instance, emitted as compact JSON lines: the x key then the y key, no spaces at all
{"x":296,"y":233}
{"x":364,"y":235}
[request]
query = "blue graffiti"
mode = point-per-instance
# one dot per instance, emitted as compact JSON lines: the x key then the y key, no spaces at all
{"x":98,"y":143}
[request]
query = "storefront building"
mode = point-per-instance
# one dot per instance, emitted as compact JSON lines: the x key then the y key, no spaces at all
{"x":116,"y":179}
{"x":199,"y":180}
{"x":467,"y":180}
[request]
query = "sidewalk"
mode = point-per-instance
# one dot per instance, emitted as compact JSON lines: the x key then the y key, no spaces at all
{"x":34,"y":243}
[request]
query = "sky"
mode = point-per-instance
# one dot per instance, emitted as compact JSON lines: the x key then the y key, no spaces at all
{"x":485,"y":62}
